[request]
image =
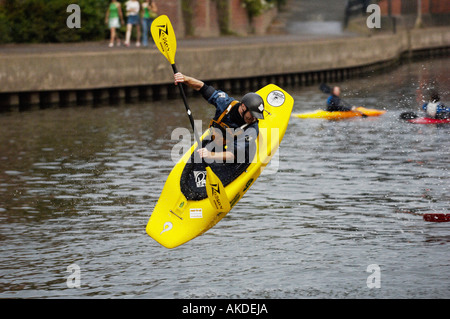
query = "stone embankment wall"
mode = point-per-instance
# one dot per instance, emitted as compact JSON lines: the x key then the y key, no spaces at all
{"x":79,"y":76}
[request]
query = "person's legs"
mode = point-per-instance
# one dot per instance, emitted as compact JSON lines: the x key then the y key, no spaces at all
{"x":150,"y":21}
{"x":128,"y":34}
{"x":138,"y":33}
{"x":145,"y":29}
{"x":113,"y":35}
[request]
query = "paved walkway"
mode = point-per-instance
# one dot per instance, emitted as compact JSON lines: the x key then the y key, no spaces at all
{"x":181,"y":43}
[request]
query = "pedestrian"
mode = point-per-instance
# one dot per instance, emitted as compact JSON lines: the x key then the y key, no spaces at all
{"x":133,"y":8}
{"x":113,"y":18}
{"x":149,"y":14}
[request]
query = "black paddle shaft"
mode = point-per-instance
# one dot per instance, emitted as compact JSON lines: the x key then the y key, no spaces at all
{"x":325,"y":88}
{"x":188,"y":110}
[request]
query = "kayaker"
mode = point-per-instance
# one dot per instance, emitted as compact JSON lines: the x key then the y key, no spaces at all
{"x":434,"y":108}
{"x":234,"y":120}
{"x":334,"y":102}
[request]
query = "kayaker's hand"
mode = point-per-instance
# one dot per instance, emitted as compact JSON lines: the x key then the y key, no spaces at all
{"x":179,"y":78}
{"x":189,"y":81}
{"x":204,"y":153}
{"x":353,"y":108}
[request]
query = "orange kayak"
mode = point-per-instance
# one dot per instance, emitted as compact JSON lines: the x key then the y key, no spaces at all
{"x":321,"y":114}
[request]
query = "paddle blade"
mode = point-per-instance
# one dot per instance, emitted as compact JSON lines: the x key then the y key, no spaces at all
{"x":216,"y":192}
{"x":408,"y":116}
{"x":325,"y":88}
{"x":164,"y":37}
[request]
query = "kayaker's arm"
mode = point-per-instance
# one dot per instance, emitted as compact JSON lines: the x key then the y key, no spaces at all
{"x":205,"y":90}
{"x":190,"y":81}
{"x":217,"y":156}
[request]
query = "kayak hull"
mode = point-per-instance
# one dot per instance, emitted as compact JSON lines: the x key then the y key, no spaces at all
{"x":427,"y":120}
{"x":176,"y":220}
{"x":321,"y":114}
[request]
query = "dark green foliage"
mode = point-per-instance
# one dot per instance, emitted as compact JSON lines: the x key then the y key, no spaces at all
{"x":37,"y":21}
{"x":44,"y":21}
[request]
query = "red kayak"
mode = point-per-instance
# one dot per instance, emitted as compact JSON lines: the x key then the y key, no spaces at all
{"x":437,"y":218}
{"x":428,"y":120}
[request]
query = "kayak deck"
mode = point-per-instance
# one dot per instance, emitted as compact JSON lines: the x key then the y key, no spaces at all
{"x":338,"y":115}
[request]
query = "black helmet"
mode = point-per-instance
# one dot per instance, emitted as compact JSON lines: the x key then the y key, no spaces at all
{"x":434,"y":95}
{"x":255,"y":104}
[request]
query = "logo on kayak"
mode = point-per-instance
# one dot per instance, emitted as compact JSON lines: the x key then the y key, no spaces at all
{"x":196,"y":213}
{"x":276,"y":98}
{"x":235,"y":199}
{"x":167,"y":226}
{"x":248,"y":184}
{"x":200,"y":178}
{"x":215,"y":193}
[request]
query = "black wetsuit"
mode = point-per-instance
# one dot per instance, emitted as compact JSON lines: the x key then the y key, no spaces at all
{"x":334,"y":104}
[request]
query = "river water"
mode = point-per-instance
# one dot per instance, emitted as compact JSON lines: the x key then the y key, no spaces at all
{"x":78,"y":184}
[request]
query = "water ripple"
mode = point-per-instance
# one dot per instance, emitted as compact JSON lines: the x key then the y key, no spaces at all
{"x":79,"y":187}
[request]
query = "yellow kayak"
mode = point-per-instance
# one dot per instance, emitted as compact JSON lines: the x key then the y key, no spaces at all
{"x":321,"y":114}
{"x":184,"y":211}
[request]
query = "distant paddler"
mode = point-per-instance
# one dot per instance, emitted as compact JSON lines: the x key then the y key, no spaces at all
{"x":434,"y":108}
{"x":335,"y":104}
{"x":435,"y":111}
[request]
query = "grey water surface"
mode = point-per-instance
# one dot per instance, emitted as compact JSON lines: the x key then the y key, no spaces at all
{"x":78,"y":185}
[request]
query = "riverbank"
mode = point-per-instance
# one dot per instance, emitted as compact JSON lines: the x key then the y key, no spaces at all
{"x":84,"y":73}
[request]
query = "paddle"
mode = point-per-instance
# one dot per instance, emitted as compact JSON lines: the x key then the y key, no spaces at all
{"x":326,"y":89}
{"x":165,"y":40}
